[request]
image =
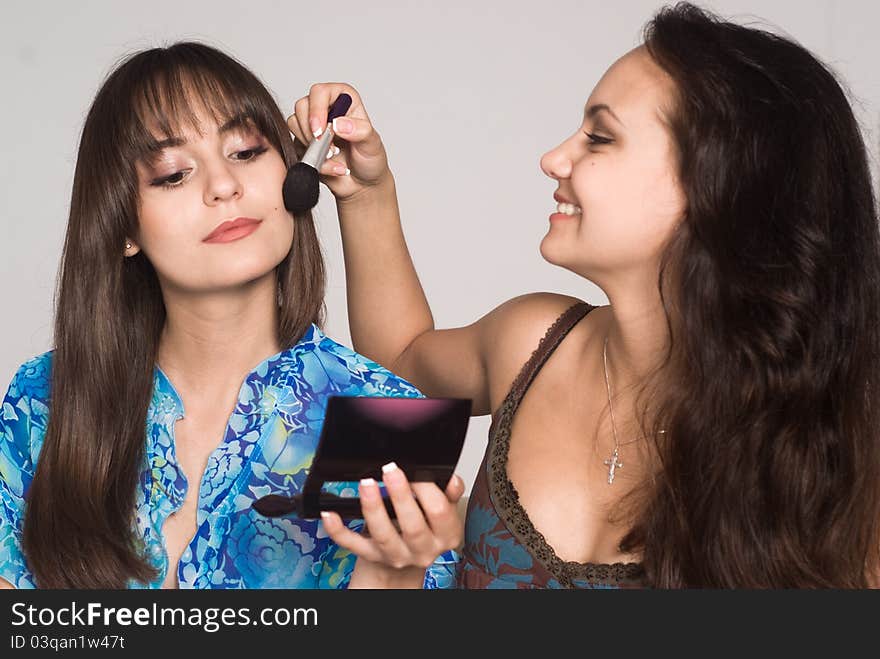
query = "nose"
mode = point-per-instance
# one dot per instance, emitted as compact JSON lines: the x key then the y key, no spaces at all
{"x":556,"y":163}
{"x":223,"y":184}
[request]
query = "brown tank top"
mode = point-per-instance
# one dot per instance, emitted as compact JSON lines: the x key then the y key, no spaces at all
{"x":502,"y":548}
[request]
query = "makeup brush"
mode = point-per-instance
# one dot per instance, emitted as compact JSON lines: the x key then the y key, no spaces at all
{"x":300,"y":189}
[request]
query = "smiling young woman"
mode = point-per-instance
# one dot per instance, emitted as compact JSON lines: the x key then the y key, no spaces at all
{"x":716,"y":425}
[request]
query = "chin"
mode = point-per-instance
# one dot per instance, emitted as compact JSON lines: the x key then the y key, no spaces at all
{"x":564,"y":256}
{"x":554,"y":252}
{"x":246,"y":267}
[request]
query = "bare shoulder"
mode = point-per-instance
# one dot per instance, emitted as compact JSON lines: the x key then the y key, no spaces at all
{"x":513,"y":331}
{"x":529,"y":314}
{"x":480,"y":361}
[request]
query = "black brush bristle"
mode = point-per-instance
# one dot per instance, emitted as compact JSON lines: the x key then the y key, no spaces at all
{"x":300,"y":189}
{"x":274,"y":505}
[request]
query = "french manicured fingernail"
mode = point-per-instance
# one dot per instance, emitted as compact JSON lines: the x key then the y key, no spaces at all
{"x":336,"y":150}
{"x":341,"y":169}
{"x":329,"y":155}
{"x":343,"y":126}
{"x":315,"y":125}
{"x":367,"y":489}
{"x":391,"y":466}
{"x":325,"y":515}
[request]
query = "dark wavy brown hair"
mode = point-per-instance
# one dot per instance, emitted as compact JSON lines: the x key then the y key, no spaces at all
{"x":79,"y":529}
{"x":769,"y":469}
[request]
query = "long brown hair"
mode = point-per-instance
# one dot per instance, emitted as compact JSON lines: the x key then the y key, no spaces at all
{"x":79,"y":522}
{"x":769,"y":468}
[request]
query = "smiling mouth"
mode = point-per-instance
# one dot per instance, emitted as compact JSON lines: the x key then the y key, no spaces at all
{"x":568,"y":209}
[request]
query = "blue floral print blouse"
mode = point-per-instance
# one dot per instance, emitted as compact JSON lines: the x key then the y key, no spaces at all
{"x":267,"y":448}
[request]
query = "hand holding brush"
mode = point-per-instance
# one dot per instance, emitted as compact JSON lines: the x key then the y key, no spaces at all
{"x":332,"y":122}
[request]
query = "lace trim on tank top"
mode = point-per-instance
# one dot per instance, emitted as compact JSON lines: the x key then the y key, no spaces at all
{"x":504,"y":494}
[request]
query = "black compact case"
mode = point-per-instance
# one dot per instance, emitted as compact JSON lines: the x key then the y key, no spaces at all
{"x":424,"y":436}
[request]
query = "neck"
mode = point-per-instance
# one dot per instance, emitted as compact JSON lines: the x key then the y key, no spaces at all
{"x":637,"y":334}
{"x":211,"y":341}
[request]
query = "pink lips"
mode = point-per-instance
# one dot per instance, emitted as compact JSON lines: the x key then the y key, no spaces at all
{"x":562,"y":200}
{"x":232,"y":230}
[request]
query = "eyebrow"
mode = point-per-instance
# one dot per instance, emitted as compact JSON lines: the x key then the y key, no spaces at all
{"x":591,"y":111}
{"x":238,"y":121}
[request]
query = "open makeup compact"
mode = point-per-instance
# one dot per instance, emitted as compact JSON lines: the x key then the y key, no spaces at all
{"x":424,"y":436}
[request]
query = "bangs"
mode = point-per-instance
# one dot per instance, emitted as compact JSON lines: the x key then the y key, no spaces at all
{"x":170,"y":90}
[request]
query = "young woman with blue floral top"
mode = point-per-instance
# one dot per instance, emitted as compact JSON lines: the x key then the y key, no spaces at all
{"x":189,"y":375}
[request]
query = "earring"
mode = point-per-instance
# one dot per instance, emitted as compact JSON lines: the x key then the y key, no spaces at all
{"x":127,"y":245}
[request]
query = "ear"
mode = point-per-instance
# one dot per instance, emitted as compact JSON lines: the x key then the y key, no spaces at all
{"x":131,"y":248}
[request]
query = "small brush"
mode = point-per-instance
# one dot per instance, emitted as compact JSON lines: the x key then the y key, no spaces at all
{"x":300,"y":189}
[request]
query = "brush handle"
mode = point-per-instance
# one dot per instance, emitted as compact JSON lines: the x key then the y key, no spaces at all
{"x":340,"y":107}
{"x":317,"y":151}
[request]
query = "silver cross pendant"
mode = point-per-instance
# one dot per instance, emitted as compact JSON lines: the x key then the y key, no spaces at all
{"x":613,"y":465}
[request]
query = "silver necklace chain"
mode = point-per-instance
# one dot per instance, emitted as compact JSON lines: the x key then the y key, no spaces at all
{"x":613,"y":463}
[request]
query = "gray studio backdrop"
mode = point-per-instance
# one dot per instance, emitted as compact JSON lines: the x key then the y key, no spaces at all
{"x":466,"y":95}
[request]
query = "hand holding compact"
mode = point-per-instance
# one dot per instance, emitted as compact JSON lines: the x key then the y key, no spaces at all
{"x":427,"y":517}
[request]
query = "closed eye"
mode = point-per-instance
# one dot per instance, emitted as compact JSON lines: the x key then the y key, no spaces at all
{"x":598,"y":139}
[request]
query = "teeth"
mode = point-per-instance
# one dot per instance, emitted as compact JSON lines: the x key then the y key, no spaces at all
{"x":568,"y":209}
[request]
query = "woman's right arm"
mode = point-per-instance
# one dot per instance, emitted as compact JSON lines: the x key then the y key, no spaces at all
{"x":389,"y":316}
